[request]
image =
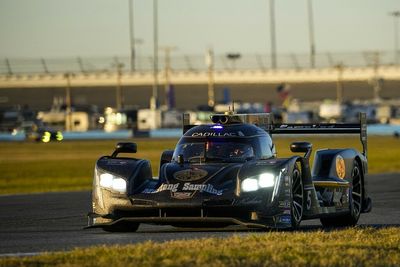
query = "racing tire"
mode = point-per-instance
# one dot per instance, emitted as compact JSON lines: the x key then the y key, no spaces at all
{"x":356,"y":200}
{"x":122,"y":227}
{"x":297,"y":198}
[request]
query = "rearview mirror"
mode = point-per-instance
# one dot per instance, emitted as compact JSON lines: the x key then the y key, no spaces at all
{"x":124,"y":147}
{"x":302,"y":147}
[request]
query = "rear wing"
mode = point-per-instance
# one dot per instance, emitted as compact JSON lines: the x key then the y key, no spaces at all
{"x":265,"y":121}
{"x":325,"y":128}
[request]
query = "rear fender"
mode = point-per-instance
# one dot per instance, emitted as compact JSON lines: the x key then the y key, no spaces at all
{"x":326,"y":165}
{"x":329,"y":163}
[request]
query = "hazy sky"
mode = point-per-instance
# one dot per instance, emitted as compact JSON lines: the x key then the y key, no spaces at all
{"x":53,"y":28}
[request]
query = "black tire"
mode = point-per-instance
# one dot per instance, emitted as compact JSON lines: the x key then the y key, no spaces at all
{"x":297,"y":198}
{"x":356,"y":200}
{"x":121,"y":227}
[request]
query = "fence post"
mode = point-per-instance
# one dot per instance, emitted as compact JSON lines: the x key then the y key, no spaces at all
{"x":330,"y":59}
{"x":295,"y":62}
{"x":259,"y":62}
{"x":10,"y":72}
{"x":80,"y":63}
{"x":188,"y":63}
{"x":46,"y":70}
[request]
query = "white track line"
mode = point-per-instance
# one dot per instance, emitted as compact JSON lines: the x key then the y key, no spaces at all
{"x":26,"y":254}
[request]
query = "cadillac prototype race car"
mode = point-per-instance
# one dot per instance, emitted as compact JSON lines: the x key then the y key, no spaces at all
{"x":228,"y":173}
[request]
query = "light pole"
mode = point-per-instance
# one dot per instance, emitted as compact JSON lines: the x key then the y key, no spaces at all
{"x":167,"y":71}
{"x":210,"y":67}
{"x":119,"y":98}
{"x":339,"y":83}
{"x":272,"y":32}
{"x":311,"y":33}
{"x":396,"y":15}
{"x":132,"y":35}
{"x":68,"y":102}
{"x":154,"y":98}
{"x":137,"y":42}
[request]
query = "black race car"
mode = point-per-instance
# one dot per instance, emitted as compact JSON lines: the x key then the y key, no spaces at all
{"x":227,"y":173}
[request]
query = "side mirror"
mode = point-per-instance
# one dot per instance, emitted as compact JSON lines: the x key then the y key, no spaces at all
{"x":304,"y":147}
{"x":124,"y":147}
{"x":166,"y":157}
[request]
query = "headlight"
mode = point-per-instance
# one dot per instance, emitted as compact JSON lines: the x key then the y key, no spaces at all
{"x":112,"y":182}
{"x":266,"y":180}
{"x":263,"y":180}
{"x":249,"y":184}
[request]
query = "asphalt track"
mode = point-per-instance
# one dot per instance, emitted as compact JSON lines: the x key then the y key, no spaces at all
{"x":54,"y":221}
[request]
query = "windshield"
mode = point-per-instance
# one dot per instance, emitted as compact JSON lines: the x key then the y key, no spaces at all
{"x":205,"y":150}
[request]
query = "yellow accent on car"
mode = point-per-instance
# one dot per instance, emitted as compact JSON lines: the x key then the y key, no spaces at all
{"x":331,"y":184}
{"x":340,"y":167}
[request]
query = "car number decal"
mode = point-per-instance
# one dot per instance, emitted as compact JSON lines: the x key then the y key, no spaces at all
{"x":340,"y":167}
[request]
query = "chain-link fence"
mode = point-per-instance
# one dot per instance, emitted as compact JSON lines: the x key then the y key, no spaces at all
{"x":193,"y":63}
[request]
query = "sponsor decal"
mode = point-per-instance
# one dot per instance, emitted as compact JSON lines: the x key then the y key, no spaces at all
{"x":287,"y":211}
{"x":284,"y":204}
{"x":182,"y":195}
{"x":248,"y":201}
{"x":190,"y":175}
{"x":285,"y":219}
{"x":345,"y":197}
{"x":148,"y":191}
{"x":287,"y":192}
{"x":188,"y":187}
{"x":211,"y":134}
{"x":208,"y":188}
{"x":340,"y":167}
{"x":116,"y":162}
{"x":168,"y":187}
{"x":337,"y":195}
{"x":327,"y":196}
{"x":287,"y":180}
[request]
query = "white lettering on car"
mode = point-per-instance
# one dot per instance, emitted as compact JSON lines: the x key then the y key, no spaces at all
{"x":211,"y":134}
{"x":208,"y":188}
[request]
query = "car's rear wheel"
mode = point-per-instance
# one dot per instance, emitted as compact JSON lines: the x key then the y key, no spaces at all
{"x":297,"y":201}
{"x":122,"y":226}
{"x":355,"y":202}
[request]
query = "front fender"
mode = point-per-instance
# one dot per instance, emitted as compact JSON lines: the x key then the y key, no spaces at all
{"x":134,"y":171}
{"x":254,"y":168}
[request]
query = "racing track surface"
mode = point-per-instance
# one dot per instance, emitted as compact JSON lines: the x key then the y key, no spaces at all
{"x":54,"y":221}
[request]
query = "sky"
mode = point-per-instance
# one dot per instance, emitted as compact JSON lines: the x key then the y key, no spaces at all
{"x":100,"y":28}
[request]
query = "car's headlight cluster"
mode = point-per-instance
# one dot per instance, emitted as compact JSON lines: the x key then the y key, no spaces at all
{"x":112,"y":182}
{"x":254,"y":183}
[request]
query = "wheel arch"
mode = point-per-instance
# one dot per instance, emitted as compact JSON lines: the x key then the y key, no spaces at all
{"x":367,"y":202}
{"x":360,"y":163}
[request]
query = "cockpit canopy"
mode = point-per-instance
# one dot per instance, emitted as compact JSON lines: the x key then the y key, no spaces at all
{"x":233,"y":143}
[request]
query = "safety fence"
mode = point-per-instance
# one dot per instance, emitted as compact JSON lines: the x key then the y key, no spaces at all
{"x":195,"y":63}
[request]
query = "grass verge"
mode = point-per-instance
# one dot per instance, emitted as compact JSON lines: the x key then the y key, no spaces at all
{"x":347,"y":247}
{"x":36,"y":167}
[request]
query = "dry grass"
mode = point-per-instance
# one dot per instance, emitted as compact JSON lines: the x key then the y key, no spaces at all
{"x":347,"y":247}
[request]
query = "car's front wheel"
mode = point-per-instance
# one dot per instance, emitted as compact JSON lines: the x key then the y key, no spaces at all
{"x":297,"y":199}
